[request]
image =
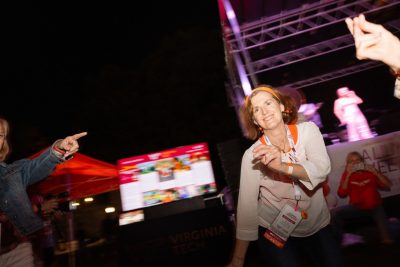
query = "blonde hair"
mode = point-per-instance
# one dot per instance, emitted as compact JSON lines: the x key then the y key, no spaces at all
{"x":5,"y":149}
{"x":289,"y":114}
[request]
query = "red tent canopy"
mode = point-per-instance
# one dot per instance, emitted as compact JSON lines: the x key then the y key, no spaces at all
{"x":80,"y":176}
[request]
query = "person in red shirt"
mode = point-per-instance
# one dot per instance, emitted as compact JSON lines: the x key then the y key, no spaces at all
{"x":361,"y":182}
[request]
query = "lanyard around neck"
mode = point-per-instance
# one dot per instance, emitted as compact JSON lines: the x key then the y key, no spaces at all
{"x":291,"y":158}
{"x":291,"y":155}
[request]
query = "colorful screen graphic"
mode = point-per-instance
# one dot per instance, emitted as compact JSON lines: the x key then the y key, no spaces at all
{"x":165,"y":176}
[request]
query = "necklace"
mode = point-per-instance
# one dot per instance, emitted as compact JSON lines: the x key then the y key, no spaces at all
{"x":282,"y":148}
{"x":283,"y":142}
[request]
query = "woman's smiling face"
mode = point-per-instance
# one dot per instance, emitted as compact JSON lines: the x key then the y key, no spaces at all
{"x":267,"y":111}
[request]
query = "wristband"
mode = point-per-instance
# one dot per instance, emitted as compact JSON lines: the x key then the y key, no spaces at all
{"x":59,"y":150}
{"x":290,"y":168}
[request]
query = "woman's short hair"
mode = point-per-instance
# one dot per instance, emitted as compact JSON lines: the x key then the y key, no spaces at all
{"x":5,"y":150}
{"x":289,"y":114}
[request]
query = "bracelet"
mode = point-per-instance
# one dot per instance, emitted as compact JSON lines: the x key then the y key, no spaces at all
{"x":59,"y":150}
{"x":290,"y":168}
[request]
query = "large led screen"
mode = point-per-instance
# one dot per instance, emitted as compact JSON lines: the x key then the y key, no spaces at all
{"x":165,"y":176}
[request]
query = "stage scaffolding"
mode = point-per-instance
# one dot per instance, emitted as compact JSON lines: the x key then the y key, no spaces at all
{"x":264,"y":50}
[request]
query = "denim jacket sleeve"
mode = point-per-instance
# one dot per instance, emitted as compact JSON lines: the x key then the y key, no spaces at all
{"x":36,"y":169}
{"x":14,"y":179}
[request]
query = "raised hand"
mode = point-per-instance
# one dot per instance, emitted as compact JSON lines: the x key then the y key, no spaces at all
{"x":70,"y":144}
{"x":269,"y":155}
{"x":373,"y":41}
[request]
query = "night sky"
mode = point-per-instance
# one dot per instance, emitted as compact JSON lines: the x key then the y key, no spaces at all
{"x":139,"y":78}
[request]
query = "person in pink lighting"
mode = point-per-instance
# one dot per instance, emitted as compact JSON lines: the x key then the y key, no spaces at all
{"x":347,"y":111}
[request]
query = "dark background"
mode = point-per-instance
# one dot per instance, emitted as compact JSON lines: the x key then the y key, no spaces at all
{"x":139,"y":77}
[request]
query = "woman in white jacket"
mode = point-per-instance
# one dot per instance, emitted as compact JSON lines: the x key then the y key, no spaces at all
{"x":281,"y":202}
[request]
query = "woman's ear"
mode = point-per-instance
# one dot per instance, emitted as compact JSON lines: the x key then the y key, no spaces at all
{"x":282,"y":107}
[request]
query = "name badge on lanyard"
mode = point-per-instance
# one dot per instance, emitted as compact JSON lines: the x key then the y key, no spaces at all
{"x":283,"y":225}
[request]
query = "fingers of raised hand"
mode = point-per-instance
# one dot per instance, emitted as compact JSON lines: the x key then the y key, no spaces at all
{"x":266,"y":153}
{"x":262,"y":150}
{"x":350,"y":25}
{"x":357,"y":32}
{"x":79,"y":135}
{"x":266,"y":159}
{"x":70,"y":143}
